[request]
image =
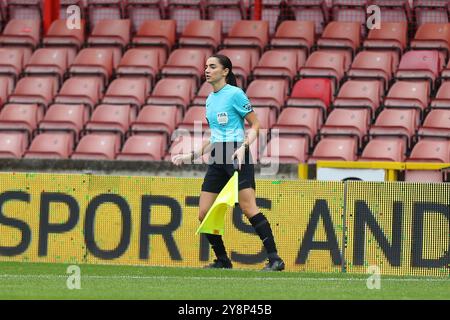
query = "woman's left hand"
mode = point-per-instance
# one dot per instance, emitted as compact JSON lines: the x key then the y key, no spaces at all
{"x":239,"y":154}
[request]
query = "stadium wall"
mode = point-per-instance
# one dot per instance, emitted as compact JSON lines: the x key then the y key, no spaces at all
{"x":403,"y":228}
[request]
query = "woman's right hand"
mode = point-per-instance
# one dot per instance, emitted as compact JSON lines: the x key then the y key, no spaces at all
{"x":179,"y":159}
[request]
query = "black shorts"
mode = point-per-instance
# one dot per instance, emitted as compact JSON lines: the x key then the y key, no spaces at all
{"x":221,"y":169}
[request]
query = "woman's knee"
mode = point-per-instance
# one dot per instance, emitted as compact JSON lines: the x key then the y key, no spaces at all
{"x":248,"y":208}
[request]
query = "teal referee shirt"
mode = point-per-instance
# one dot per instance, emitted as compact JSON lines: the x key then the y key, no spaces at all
{"x":225,"y":112}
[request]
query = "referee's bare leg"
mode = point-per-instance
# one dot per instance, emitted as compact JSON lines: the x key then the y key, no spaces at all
{"x":247,"y":202}
{"x":222,"y":262}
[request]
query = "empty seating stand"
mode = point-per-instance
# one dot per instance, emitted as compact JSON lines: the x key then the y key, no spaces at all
{"x":58,"y":35}
{"x":139,"y":11}
{"x":311,"y":10}
{"x":204,"y":34}
{"x":22,"y":33}
{"x":157,"y":33}
{"x":129,"y":83}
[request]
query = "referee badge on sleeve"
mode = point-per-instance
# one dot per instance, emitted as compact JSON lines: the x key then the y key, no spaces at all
{"x":248,"y":107}
{"x":222,"y":118}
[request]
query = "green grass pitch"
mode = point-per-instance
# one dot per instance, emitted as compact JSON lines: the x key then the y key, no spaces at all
{"x":48,"y":281}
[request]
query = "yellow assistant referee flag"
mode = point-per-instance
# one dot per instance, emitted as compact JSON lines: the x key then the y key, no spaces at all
{"x":214,"y":220}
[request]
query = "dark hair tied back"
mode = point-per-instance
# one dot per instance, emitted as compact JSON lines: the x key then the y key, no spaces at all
{"x":226,"y":63}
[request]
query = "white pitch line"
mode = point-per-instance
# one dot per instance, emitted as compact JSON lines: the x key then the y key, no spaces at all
{"x":50,"y":276}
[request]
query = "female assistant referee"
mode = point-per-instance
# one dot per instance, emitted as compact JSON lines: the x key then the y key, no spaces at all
{"x":226,"y":108}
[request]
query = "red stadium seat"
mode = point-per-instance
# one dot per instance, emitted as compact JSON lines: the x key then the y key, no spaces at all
{"x":58,"y":35}
{"x":184,"y":11}
{"x":141,"y":63}
{"x":278,"y":64}
{"x":157,"y":33}
{"x":81,"y":90}
{"x":127,"y":91}
{"x":384,"y":149}
{"x":299,"y":121}
{"x":445,"y":74}
{"x":65,"y":117}
{"x":433,"y":36}
{"x":391,"y":36}
{"x":250,"y":34}
{"x":34,"y":90}
{"x":360,"y":94}
{"x":294,"y":35}
{"x":173,"y":92}
{"x":160,"y":119}
{"x":110,"y":118}
{"x":242,"y":61}
{"x":5,"y":89}
{"x":94,"y":62}
{"x":341,"y":35}
{"x":24,"y":34}
{"x":12,"y":61}
{"x":20,"y":117}
{"x":419,"y":65}
{"x":436,"y":125}
{"x":111,"y":32}
{"x":396,"y":123}
{"x":99,"y":10}
{"x":185,"y":63}
{"x":408,"y":94}
{"x":442,"y":99}
{"x":194,"y":119}
{"x":431,"y":150}
{"x":12,"y":144}
{"x":322,"y":64}
{"x":311,"y":10}
{"x":286,"y":149}
{"x":335,"y":149}
{"x":48,"y":61}
{"x":97,"y":146}
{"x":378,"y":65}
{"x":312,"y":93}
{"x":227,"y":11}
{"x":202,"y":34}
{"x":428,"y":150}
{"x":347,"y":122}
{"x":50,"y":145}
{"x":202,"y":94}
{"x":265,"y":118}
{"x":140,"y":11}
{"x":148,"y":147}
{"x":268,"y":94}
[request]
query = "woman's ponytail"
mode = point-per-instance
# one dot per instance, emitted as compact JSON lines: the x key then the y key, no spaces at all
{"x":231,"y":79}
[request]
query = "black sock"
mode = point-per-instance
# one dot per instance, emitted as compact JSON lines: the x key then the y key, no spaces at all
{"x":217,"y":244}
{"x":262,"y":228}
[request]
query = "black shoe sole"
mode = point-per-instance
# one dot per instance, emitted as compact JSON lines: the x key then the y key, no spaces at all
{"x":280,"y":267}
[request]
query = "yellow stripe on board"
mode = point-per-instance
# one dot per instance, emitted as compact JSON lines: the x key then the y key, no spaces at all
{"x":403,"y":228}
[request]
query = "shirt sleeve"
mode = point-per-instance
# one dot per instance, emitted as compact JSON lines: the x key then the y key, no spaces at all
{"x":242,"y":103}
